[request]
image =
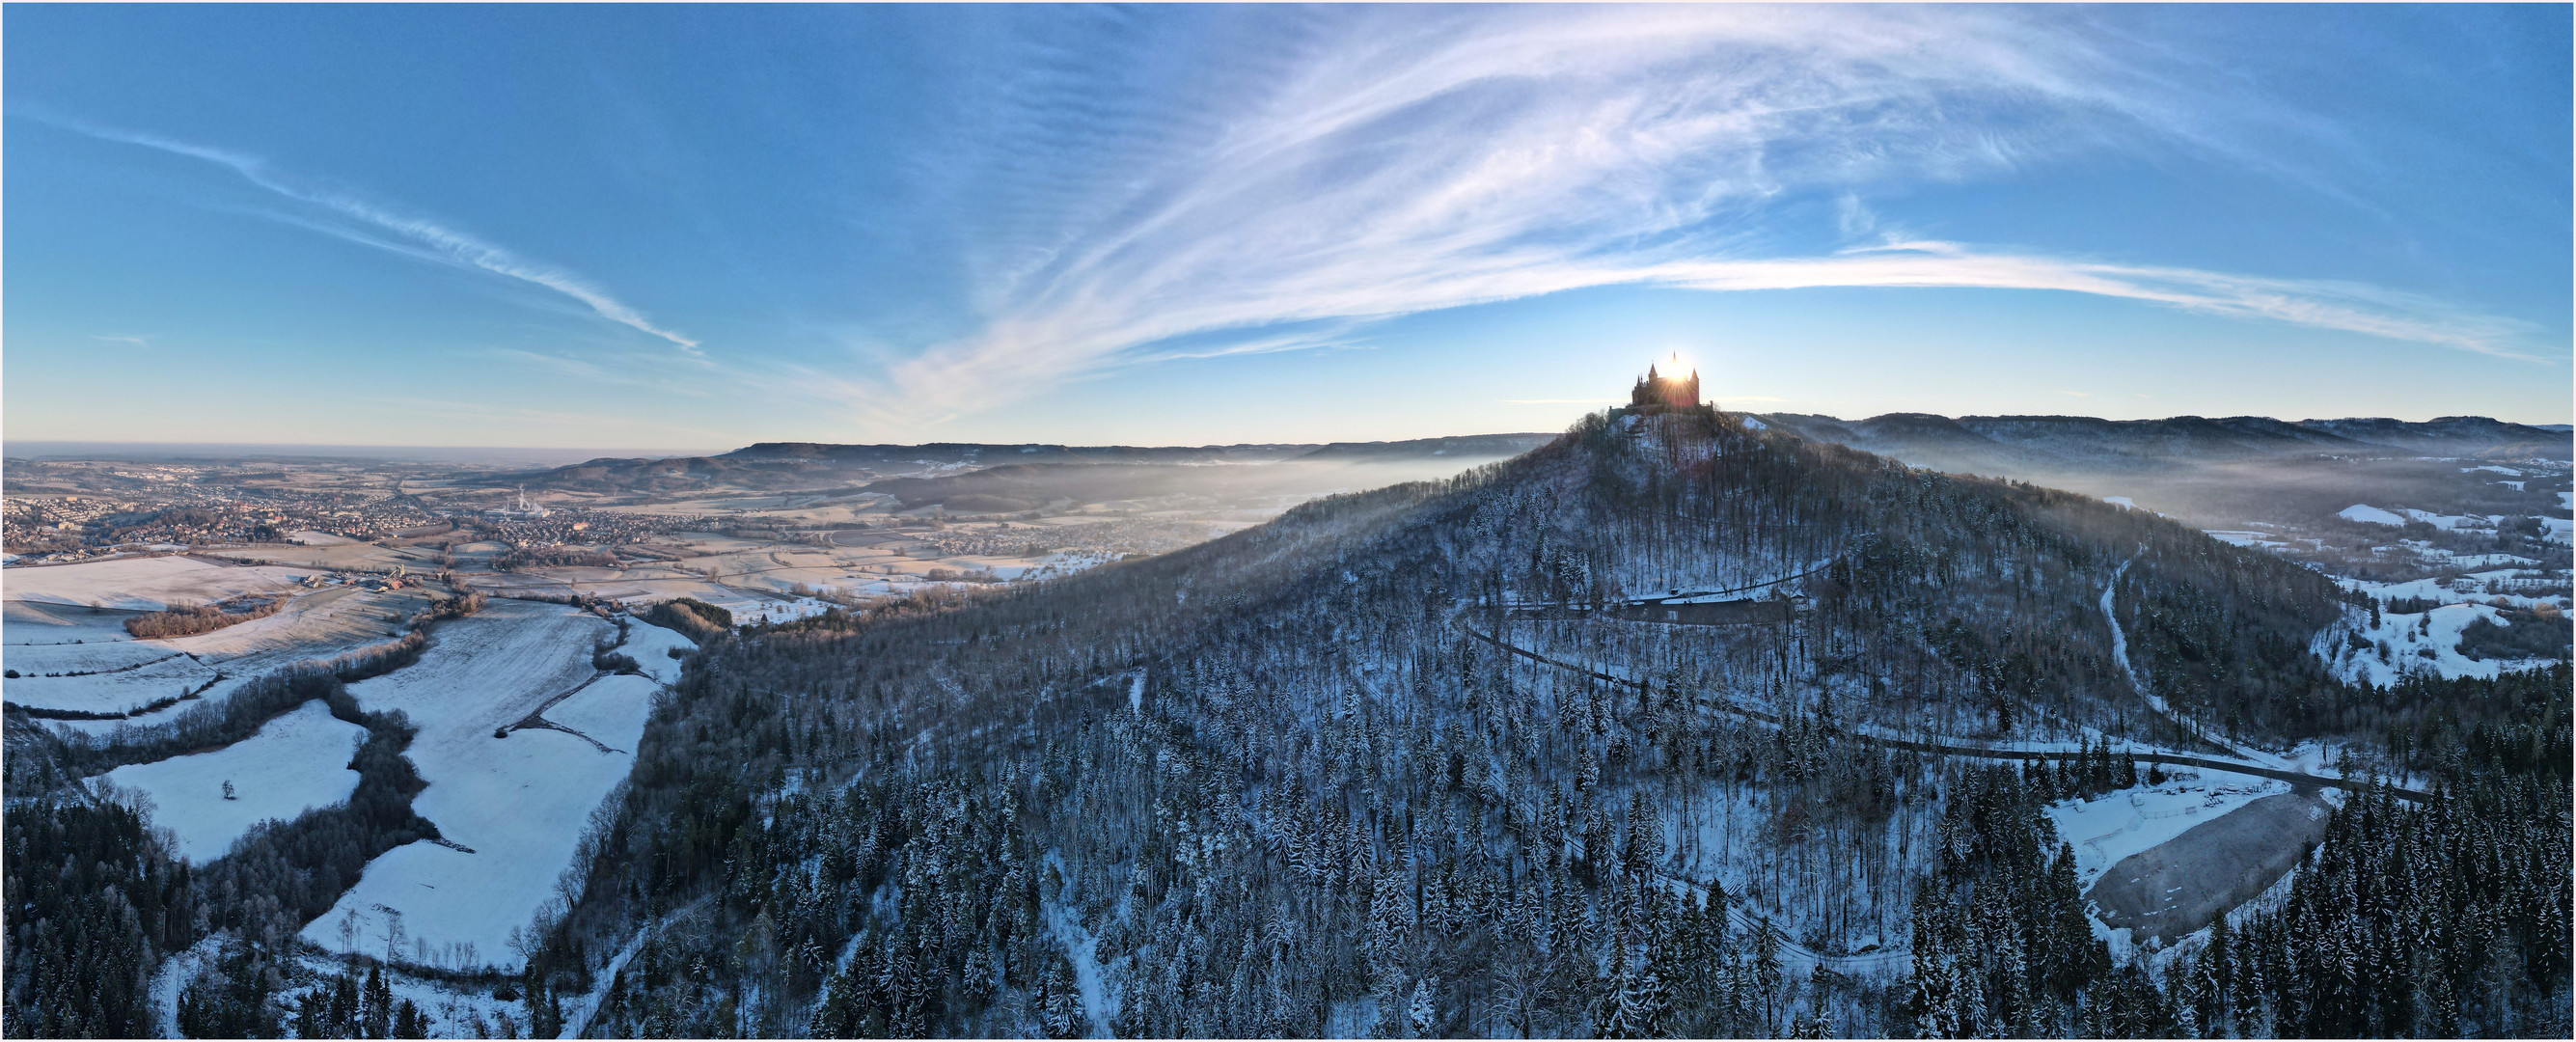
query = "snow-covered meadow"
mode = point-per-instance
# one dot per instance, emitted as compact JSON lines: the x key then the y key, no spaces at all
{"x":2557,"y":529}
{"x":157,"y":674}
{"x":142,"y":583}
{"x":2419,"y":642}
{"x":651,"y":647}
{"x":295,"y":763}
{"x":611,"y":711}
{"x":519,"y":803}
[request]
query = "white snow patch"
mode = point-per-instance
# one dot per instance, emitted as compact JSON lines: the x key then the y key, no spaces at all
{"x":295,"y":763}
{"x":2491,"y":468}
{"x":2370,"y":515}
{"x":651,"y":647}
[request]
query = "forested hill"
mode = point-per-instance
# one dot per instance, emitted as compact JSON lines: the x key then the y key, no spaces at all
{"x":1281,"y":783}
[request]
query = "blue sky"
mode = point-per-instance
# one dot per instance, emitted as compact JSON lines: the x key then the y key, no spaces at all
{"x":701,"y":226}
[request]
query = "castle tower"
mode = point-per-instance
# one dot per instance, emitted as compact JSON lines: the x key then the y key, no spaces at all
{"x":1657,"y":393}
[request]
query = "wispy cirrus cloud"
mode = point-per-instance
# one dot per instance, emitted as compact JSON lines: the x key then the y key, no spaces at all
{"x":348,"y":216}
{"x":1389,"y":162}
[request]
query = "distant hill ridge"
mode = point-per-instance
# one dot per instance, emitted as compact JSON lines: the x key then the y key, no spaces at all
{"x":995,"y":455}
{"x":798,"y":464}
{"x":2001,"y":444}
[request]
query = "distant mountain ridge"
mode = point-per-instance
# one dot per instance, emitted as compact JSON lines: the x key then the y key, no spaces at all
{"x":1497,"y":445}
{"x":2044,"y":444}
{"x":778,"y":465}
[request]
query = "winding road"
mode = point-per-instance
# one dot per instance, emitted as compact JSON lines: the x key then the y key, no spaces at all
{"x":1880,"y":962}
{"x":1984,"y":752}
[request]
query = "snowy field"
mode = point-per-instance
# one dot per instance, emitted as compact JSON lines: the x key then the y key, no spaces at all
{"x":750,"y":608}
{"x":651,"y":647}
{"x":37,"y":624}
{"x":310,"y":626}
{"x":2470,"y":588}
{"x":142,"y":583}
{"x":116,"y":692}
{"x":2243,"y":538}
{"x":315,"y":625}
{"x":522,"y":813}
{"x":2423,"y":642}
{"x":611,"y":711}
{"x":521,"y":803}
{"x":85,"y":657}
{"x":295,"y":763}
{"x":2559,"y":529}
{"x":2105,"y":830}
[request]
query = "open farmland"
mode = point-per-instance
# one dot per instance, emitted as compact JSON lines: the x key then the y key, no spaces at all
{"x":611,"y":711}
{"x":518,"y":803}
{"x":79,"y":659}
{"x":143,"y":583}
{"x":170,"y":674}
{"x":37,"y":623}
{"x":297,"y":762}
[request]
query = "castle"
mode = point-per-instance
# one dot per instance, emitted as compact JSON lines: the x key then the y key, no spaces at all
{"x":1657,"y":393}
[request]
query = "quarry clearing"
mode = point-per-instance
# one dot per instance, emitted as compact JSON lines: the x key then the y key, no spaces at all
{"x":2181,"y":885}
{"x":295,"y":763}
{"x":2114,"y":827}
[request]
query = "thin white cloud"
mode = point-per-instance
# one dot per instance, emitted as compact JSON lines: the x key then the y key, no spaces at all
{"x":1415,"y":161}
{"x":2322,"y":304}
{"x":412,"y":235}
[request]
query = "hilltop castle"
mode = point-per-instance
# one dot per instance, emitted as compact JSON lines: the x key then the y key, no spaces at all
{"x":1657,"y":393}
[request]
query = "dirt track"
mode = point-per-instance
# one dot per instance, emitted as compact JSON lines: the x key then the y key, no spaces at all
{"x":2178,"y":886}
